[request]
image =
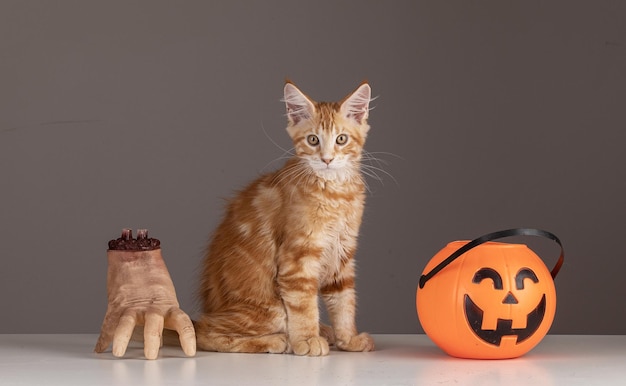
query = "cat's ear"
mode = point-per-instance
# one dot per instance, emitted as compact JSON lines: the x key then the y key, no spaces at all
{"x":299,"y":106}
{"x":356,"y":105}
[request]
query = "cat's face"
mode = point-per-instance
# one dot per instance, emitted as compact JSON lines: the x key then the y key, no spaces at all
{"x":329,"y":137}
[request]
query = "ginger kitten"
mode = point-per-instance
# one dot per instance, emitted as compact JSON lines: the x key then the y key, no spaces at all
{"x":290,"y":236}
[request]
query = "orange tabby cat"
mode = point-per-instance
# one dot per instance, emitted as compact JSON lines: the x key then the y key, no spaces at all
{"x":289,"y":236}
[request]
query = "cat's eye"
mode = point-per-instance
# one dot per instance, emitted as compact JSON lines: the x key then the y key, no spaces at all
{"x":313,"y":140}
{"x":342,"y":139}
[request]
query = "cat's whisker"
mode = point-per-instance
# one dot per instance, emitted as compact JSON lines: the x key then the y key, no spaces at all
{"x":371,"y":165}
{"x":367,"y":186}
{"x":379,"y":161}
{"x":291,"y":174}
{"x":374,"y":169}
{"x":372,"y":159}
{"x":364,"y":169}
{"x":373,"y":175}
{"x":383,"y":153}
{"x":294,"y":171}
{"x":284,"y":156}
{"x":370,"y":156}
{"x":285,"y":151}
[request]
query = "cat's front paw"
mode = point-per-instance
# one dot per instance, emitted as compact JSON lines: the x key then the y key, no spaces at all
{"x":361,"y":342}
{"x":316,"y":346}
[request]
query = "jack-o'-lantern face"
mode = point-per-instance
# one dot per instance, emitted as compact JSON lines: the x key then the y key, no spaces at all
{"x":485,"y":308}
{"x":495,"y":301}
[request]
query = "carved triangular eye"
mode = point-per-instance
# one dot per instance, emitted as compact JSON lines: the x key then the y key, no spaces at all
{"x":488,"y":273}
{"x":524,"y":273}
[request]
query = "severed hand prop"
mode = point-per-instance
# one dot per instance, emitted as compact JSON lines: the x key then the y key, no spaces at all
{"x":141,"y":292}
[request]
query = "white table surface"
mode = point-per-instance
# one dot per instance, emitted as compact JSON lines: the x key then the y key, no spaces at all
{"x":399,"y":360}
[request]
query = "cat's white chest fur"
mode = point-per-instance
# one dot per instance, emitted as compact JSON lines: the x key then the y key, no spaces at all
{"x":339,"y":233}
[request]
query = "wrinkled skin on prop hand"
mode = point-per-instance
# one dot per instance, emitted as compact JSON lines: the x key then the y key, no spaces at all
{"x":141,"y":293}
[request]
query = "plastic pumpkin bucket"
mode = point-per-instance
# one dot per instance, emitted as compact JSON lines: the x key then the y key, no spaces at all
{"x":488,"y":300}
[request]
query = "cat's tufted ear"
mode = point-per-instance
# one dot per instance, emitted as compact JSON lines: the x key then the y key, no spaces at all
{"x":356,"y":105}
{"x":299,"y":106}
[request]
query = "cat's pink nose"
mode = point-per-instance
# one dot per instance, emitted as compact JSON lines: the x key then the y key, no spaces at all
{"x":327,"y":161}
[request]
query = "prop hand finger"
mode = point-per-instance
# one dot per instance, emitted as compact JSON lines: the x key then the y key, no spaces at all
{"x":152,"y":331}
{"x":124,"y":332}
{"x":107,"y":330}
{"x":180,"y":321}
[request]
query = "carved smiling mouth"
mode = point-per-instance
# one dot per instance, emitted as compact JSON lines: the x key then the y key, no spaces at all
{"x":474,"y":316}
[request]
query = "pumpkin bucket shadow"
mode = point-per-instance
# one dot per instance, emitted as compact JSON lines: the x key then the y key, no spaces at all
{"x":482,"y":299}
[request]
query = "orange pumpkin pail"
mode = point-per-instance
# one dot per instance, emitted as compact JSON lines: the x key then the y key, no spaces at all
{"x":482,"y":299}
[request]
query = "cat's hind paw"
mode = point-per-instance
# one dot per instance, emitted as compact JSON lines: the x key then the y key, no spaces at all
{"x":328,"y":333}
{"x":315,"y":346}
{"x":362,"y":342}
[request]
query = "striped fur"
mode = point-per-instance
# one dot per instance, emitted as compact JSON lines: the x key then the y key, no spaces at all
{"x":289,"y":237}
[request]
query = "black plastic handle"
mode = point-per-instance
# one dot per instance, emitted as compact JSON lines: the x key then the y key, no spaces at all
{"x":495,"y":236}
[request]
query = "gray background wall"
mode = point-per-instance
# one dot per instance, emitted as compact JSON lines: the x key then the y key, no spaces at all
{"x":147,"y":114}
